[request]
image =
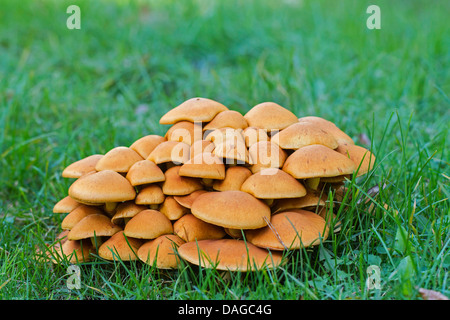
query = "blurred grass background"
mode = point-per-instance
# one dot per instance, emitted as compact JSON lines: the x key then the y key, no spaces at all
{"x":66,"y":94}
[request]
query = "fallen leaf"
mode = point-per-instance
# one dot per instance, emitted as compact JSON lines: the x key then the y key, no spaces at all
{"x":431,"y":295}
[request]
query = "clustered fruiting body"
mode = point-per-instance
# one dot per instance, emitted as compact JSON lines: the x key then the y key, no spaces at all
{"x":220,"y":189}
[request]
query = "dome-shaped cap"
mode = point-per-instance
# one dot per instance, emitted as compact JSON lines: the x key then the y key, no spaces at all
{"x":253,"y":135}
{"x":150,"y":194}
{"x":191,"y":228}
{"x":161,"y":252}
{"x":77,"y":214}
{"x":148,"y":224}
{"x":194,"y":109}
{"x":120,"y":247}
{"x":144,"y":172}
{"x":228,"y":118}
{"x":302,"y":134}
{"x":234,"y":178}
{"x":172,"y":209}
{"x":81,"y":167}
{"x":201,"y":146}
{"x":229,"y":254}
{"x":72,"y":251}
{"x":270,"y":116}
{"x":66,"y":205}
{"x":231,"y":209}
{"x":93,"y":225}
{"x":295,"y":229}
{"x":317,"y":161}
{"x":176,"y":185}
{"x":185,"y":131}
{"x":330,"y":127}
{"x":101,"y":187}
{"x":266,"y":154}
{"x":170,"y":151}
{"x":204,"y":165}
{"x":145,"y":145}
{"x":119,"y":159}
{"x":126,"y":210}
{"x":273,"y":183}
{"x":364,"y":160}
{"x":309,"y":201}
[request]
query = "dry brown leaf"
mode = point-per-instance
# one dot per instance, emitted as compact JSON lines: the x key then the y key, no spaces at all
{"x":431,"y":295}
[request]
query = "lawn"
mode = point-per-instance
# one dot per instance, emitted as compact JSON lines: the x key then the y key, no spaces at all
{"x":66,"y":94}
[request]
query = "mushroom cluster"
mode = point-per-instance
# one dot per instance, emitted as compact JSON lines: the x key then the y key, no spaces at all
{"x":220,"y":189}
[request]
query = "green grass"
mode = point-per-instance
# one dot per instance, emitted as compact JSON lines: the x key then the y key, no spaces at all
{"x":66,"y":94}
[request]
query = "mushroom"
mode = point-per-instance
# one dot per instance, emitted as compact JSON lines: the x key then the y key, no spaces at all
{"x":105,"y":186}
{"x":221,"y":135}
{"x":302,"y":134}
{"x":293,"y":229}
{"x":308,"y":202}
{"x":66,"y":205}
{"x":145,"y":145}
{"x":193,"y":110}
{"x":81,"y":167}
{"x":120,"y":247}
{"x":270,"y":116}
{"x":176,"y":185}
{"x":190,"y":228}
{"x":94,"y":227}
{"x":75,"y":216}
{"x":266,"y":154}
{"x":330,"y":127}
{"x":170,"y":151}
{"x":184,"y":131}
{"x":363,"y":158}
{"x":253,"y":135}
{"x":228,"y":118}
{"x":234,"y":178}
{"x":231,"y":209}
{"x":273,"y":183}
{"x":201,"y":146}
{"x":172,"y":209}
{"x":234,"y":152}
{"x":119,"y":159}
{"x":151,"y":195}
{"x":161,"y":252}
{"x":315,"y":162}
{"x":72,"y":251}
{"x":125,"y":211}
{"x":148,"y":224}
{"x":144,"y":172}
{"x":205,"y":166}
{"x":229,"y":255}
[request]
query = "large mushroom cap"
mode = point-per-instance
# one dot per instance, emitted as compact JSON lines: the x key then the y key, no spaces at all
{"x":145,"y":145}
{"x":330,"y":127}
{"x":144,"y":172}
{"x":148,"y":224}
{"x":317,"y":161}
{"x":190,"y":228}
{"x":81,"y":167}
{"x":93,"y":225}
{"x":270,"y":116}
{"x":193,"y":110}
{"x":273,"y":183}
{"x":119,"y":159}
{"x":161,"y":251}
{"x":229,"y":254}
{"x":102,"y":187}
{"x":120,"y":247}
{"x":302,"y":134}
{"x":296,"y":229}
{"x":231,"y":209}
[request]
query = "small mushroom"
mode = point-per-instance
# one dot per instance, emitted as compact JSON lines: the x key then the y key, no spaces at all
{"x":229,"y":119}
{"x":176,"y":185}
{"x":234,"y":178}
{"x":151,"y":195}
{"x":120,"y":247}
{"x":145,"y":145}
{"x":170,"y":151}
{"x":144,"y":172}
{"x":81,"y":167}
{"x":75,"y":216}
{"x":172,"y":209}
{"x":119,"y":159}
{"x":125,"y":211}
{"x":161,"y":252}
{"x":184,"y":131}
{"x":187,"y":200}
{"x":66,"y":205}
{"x":270,"y":116}
{"x":148,"y":224}
{"x":330,"y":127}
{"x":190,"y":228}
{"x":266,"y":154}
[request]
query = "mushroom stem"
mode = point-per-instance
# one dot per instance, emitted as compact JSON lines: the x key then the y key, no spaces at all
{"x":269,"y":202}
{"x":154,"y":206}
{"x":312,"y":183}
{"x":96,"y":242}
{"x":110,"y":207}
{"x":208,"y":182}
